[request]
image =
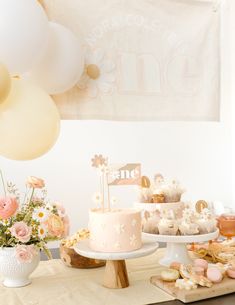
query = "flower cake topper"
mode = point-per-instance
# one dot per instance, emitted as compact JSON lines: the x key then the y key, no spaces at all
{"x":115,"y":174}
{"x":101,"y":163}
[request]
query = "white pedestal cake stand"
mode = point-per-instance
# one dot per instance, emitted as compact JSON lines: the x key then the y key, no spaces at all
{"x":115,"y":271}
{"x":176,"y":250}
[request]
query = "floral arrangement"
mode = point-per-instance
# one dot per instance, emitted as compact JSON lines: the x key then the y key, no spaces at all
{"x":28,"y":225}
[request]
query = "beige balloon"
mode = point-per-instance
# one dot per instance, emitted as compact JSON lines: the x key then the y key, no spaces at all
{"x":5,"y":83}
{"x":29,"y":122}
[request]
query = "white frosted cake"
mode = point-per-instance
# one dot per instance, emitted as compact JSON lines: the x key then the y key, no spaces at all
{"x":117,"y":230}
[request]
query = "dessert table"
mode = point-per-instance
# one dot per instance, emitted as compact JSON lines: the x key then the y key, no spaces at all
{"x":225,"y":299}
{"x":55,"y":284}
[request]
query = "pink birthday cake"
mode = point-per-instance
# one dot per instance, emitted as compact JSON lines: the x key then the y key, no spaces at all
{"x":115,"y":230}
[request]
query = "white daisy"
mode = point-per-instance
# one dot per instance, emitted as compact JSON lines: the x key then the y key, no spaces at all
{"x":5,"y":222}
{"x":99,"y":74}
{"x":117,"y":245}
{"x":206,"y":214}
{"x":133,"y":223}
{"x":188,"y":214}
{"x":97,"y":198}
{"x":133,"y":240}
{"x":42,"y":231}
{"x":40,"y":214}
{"x":119,"y":228}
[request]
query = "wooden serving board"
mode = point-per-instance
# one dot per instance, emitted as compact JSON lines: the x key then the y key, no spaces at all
{"x":225,"y":287}
{"x":73,"y":259}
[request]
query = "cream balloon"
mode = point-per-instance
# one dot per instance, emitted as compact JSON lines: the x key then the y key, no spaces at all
{"x":63,"y":63}
{"x":29,"y":122}
{"x":24,"y":31}
{"x":5,"y":83}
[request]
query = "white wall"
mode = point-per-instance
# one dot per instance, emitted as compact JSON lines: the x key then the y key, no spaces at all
{"x":198,"y":154}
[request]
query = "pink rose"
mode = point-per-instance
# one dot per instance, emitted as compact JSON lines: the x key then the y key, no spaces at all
{"x":21,"y":231}
{"x":55,"y":226}
{"x":35,"y":183}
{"x":25,"y":254}
{"x":8,"y":207}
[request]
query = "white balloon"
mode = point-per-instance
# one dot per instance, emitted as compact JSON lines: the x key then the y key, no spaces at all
{"x":24,"y":30}
{"x":63,"y":63}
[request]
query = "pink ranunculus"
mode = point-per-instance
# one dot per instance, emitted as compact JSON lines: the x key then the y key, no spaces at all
{"x":21,"y":231}
{"x":35,"y":183}
{"x":24,"y":254}
{"x":55,"y":226}
{"x":66,"y":226}
{"x":8,"y":207}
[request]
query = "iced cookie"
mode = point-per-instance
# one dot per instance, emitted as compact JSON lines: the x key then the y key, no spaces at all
{"x":185,"y":284}
{"x":170,"y":275}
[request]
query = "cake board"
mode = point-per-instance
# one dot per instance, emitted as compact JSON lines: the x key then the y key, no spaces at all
{"x":176,"y":250}
{"x":227,"y":286}
{"x":115,"y":275}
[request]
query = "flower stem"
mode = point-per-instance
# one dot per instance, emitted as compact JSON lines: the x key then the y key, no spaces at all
{"x":31,"y":195}
{"x":47,"y":252}
{"x":3,"y":183}
{"x":103,"y":192}
{"x":25,"y":195}
{"x":108,"y":192}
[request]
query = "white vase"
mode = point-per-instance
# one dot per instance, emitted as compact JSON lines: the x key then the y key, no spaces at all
{"x":14,"y":273}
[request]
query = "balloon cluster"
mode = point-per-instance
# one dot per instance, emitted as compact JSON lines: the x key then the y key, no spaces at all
{"x":37,"y":58}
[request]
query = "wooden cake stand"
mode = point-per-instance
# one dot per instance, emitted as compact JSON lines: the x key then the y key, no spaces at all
{"x":176,"y":250}
{"x":115,"y":275}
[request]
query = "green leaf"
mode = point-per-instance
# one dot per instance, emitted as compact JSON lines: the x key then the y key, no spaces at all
{"x":47,"y":252}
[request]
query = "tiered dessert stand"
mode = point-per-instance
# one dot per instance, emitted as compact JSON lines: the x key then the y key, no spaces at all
{"x":176,"y":250}
{"x":116,"y":275}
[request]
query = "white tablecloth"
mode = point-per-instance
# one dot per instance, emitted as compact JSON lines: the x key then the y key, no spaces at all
{"x":55,"y":284}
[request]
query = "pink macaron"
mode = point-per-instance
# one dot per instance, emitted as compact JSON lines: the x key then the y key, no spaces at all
{"x":214,"y":275}
{"x":199,"y":262}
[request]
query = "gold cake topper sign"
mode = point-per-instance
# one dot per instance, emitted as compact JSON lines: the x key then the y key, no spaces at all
{"x":124,"y":174}
{"x":117,"y":174}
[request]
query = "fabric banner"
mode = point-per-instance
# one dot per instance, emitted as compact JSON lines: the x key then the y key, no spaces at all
{"x":144,"y":59}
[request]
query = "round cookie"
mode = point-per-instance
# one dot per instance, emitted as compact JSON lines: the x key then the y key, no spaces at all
{"x":170,"y":275}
